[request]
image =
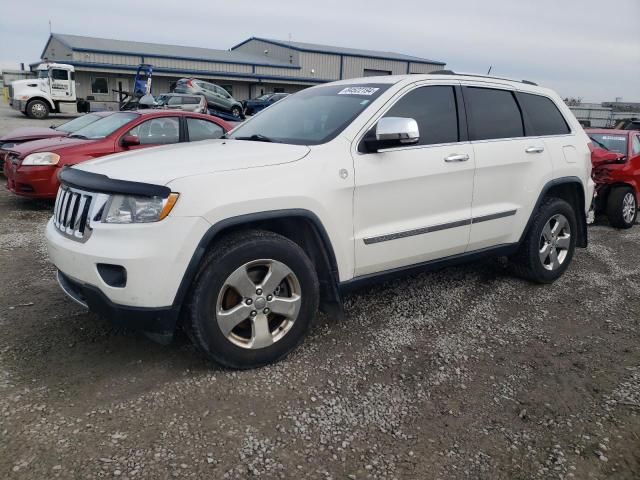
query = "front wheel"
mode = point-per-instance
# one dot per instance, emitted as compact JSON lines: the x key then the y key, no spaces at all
{"x":622,"y":208}
{"x":37,"y":109}
{"x":549,"y":244}
{"x":254,"y":300}
{"x":236,"y":111}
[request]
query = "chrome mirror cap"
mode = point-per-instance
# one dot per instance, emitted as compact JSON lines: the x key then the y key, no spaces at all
{"x":402,"y":130}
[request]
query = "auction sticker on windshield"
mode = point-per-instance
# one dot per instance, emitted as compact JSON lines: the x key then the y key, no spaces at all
{"x":358,"y":91}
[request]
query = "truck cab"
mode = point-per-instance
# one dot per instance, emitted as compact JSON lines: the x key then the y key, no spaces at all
{"x":52,"y":91}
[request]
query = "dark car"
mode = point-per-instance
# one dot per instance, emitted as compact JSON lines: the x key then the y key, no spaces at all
{"x":32,"y":169}
{"x":29,"y":134}
{"x":254,"y":105}
{"x":217,"y":97}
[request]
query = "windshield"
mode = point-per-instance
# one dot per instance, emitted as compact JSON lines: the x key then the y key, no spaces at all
{"x":43,"y":73}
{"x":312,"y":116}
{"x":162,"y":100}
{"x":105,"y":126}
{"x":78,"y":123}
{"x":613,"y":143}
{"x":264,"y":97}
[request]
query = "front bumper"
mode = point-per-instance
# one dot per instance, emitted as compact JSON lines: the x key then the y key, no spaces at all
{"x":19,"y":105}
{"x":160,"y":322}
{"x":31,"y":181}
{"x":154,"y":255}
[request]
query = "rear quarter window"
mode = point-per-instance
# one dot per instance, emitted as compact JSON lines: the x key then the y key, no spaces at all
{"x":543,"y":115}
{"x":493,"y":114}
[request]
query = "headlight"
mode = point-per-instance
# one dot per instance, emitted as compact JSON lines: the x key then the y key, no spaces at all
{"x":8,"y":145}
{"x":41,"y":158}
{"x":132,"y":209}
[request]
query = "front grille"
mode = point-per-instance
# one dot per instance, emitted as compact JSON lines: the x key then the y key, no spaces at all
{"x":71,"y":214}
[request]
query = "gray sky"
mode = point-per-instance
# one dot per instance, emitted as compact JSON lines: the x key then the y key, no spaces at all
{"x":581,"y":48}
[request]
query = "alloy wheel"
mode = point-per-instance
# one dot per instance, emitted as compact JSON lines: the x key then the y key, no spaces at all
{"x":555,"y":241}
{"x":258,"y":304}
{"x":629,"y":207}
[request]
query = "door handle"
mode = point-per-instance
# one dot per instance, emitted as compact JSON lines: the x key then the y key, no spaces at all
{"x":454,"y":157}
{"x":535,"y":150}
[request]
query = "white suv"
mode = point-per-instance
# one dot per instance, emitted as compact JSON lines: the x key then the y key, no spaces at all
{"x":240,"y":240}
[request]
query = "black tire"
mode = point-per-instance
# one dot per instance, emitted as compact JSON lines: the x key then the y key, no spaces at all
{"x":232,"y":253}
{"x":527,"y":262}
{"x":236,"y":111}
{"x":616,"y":206}
{"x":38,"y":109}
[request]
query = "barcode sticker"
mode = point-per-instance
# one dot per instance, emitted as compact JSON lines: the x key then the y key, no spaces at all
{"x":358,"y":91}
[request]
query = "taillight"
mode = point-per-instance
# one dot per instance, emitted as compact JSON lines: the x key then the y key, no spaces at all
{"x":190,"y":83}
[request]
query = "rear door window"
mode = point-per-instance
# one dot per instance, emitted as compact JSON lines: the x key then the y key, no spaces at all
{"x":191,"y":100}
{"x":200,"y":129}
{"x":492,"y":113}
{"x":174,"y":101}
{"x":544,"y":116}
{"x":434,"y":108}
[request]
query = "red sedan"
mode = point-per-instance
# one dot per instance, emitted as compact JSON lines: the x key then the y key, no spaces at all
{"x":32,"y":168}
{"x":616,"y":170}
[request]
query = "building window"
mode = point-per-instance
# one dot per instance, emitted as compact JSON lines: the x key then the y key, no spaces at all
{"x":99,"y":85}
{"x":278,"y":90}
{"x":369,"y":72}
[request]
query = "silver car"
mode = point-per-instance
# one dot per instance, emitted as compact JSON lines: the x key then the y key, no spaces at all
{"x":179,"y":101}
{"x":217,"y":97}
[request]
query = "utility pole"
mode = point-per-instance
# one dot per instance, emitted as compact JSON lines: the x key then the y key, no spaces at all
{"x":489,"y":71}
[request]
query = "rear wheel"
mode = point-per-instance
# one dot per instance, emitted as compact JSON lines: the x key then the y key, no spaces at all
{"x":550,"y":243}
{"x":622,"y":208}
{"x":37,"y":109}
{"x":254,"y":300}
{"x":236,"y":111}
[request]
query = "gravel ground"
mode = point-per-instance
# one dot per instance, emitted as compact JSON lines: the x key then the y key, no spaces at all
{"x":463,"y":373}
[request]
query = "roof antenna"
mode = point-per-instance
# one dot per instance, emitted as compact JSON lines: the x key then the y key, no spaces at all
{"x":489,"y":71}
{"x":289,"y":36}
{"x":49,"y":26}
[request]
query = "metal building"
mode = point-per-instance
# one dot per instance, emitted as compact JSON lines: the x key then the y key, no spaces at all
{"x":253,"y":67}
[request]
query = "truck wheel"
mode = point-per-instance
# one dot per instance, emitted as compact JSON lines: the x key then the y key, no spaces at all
{"x":622,"y":208}
{"x":253,"y":300}
{"x":549,"y":245}
{"x":37,"y":109}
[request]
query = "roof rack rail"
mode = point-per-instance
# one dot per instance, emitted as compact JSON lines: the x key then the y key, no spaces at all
{"x":451,"y":72}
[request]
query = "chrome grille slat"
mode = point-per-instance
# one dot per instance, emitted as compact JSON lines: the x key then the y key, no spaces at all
{"x":72,"y":210}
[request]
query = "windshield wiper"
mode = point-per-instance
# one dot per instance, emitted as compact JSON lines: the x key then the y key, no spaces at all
{"x":73,"y":135}
{"x":601,"y":145}
{"x":256,"y":137}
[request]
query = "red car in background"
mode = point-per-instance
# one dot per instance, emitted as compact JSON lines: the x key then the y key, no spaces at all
{"x":28,"y":134}
{"x":32,"y":168}
{"x":615,"y":157}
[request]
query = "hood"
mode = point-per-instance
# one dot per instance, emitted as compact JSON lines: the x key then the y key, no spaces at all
{"x":31,"y":133}
{"x":161,"y":165}
{"x":21,"y":86}
{"x":54,"y":144}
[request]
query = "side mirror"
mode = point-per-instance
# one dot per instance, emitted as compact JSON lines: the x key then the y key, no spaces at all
{"x":392,"y":132}
{"x":130,"y":141}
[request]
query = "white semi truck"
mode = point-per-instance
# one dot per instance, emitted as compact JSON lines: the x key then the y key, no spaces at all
{"x":52,"y":91}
